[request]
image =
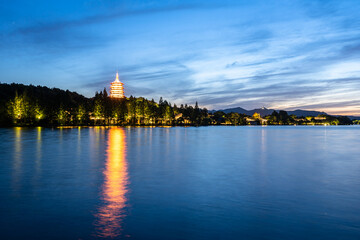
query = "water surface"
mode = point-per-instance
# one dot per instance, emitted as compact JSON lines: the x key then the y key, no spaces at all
{"x":180,"y":183}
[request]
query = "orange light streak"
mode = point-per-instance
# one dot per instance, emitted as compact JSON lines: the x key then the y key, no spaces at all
{"x":111,"y":214}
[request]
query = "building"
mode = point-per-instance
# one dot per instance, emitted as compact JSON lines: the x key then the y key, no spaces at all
{"x":263,"y":121}
{"x":117,"y":88}
{"x":251,"y":121}
{"x":320,"y":118}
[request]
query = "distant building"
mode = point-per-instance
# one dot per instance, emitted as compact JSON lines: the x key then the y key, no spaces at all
{"x":179,"y":115}
{"x":117,"y":88}
{"x":263,"y":121}
{"x":251,"y":121}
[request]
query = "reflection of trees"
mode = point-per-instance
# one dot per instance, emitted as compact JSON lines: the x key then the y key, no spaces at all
{"x":111,"y":214}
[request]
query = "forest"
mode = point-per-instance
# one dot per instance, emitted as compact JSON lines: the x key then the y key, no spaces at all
{"x":28,"y":105}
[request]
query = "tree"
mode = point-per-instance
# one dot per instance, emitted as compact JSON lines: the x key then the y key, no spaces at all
{"x":140,"y":110}
{"x":98,"y":112}
{"x":147,"y":112}
{"x":38,"y":113}
{"x":273,"y":118}
{"x":344,"y":120}
{"x":61,"y":116}
{"x":196,"y":114}
{"x":283,"y":117}
{"x":169,"y":114}
{"x":219,"y":117}
{"x":18,"y":108}
{"x":132,"y":110}
{"x":80,"y":114}
{"x":175,"y":109}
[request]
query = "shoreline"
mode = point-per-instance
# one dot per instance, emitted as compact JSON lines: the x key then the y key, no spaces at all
{"x":176,"y":126}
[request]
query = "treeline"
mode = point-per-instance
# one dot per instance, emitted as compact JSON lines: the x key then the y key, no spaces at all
{"x":22,"y":105}
{"x":282,"y":118}
{"x":277,"y":118}
{"x":36,"y":105}
{"x":141,"y":111}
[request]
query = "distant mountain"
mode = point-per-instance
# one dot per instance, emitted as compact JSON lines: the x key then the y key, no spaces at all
{"x":305,"y":113}
{"x":237,"y":110}
{"x":265,"y":111}
{"x":262,"y":111}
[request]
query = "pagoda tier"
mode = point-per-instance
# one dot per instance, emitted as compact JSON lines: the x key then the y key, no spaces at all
{"x":117,"y":88}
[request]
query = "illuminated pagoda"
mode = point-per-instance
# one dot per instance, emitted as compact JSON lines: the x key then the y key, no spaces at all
{"x":117,"y":88}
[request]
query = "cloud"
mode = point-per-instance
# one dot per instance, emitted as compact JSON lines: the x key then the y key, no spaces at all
{"x":347,"y":103}
{"x":163,"y":78}
{"x":351,"y":49}
{"x":293,"y":54}
{"x":70,"y":36}
{"x":234,"y":64}
{"x":105,"y":17}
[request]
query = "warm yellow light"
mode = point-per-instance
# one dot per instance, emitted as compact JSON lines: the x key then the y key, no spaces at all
{"x":117,"y":88}
{"x":115,"y":187}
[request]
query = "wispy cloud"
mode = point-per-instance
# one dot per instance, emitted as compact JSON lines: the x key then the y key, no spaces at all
{"x":290,"y":55}
{"x":97,"y":19}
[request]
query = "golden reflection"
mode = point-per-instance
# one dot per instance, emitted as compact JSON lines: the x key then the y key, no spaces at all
{"x":79,"y":142}
{"x":112,"y":213}
{"x":38,"y":150}
{"x":17,"y":156}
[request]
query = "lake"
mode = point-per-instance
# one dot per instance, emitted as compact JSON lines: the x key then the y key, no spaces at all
{"x":219,"y":182}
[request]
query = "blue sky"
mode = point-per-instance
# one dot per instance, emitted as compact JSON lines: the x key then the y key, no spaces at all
{"x":277,"y":54}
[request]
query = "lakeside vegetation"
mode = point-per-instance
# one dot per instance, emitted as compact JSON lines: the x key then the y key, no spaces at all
{"x":22,"y":105}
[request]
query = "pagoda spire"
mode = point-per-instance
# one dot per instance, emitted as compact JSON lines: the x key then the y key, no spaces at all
{"x":117,"y":88}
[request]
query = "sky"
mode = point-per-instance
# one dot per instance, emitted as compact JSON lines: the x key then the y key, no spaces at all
{"x":274,"y":54}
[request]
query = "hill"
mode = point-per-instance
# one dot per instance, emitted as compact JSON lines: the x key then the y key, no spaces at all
{"x":50,"y":96}
{"x":22,"y":105}
{"x":49,"y":100}
{"x":265,"y":111}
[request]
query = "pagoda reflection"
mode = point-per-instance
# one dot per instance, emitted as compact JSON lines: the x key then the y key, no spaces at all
{"x":111,"y":214}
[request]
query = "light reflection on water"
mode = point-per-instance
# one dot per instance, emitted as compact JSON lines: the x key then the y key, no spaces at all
{"x":18,"y":144}
{"x":38,"y":150}
{"x":187,"y":183}
{"x":111,"y":214}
